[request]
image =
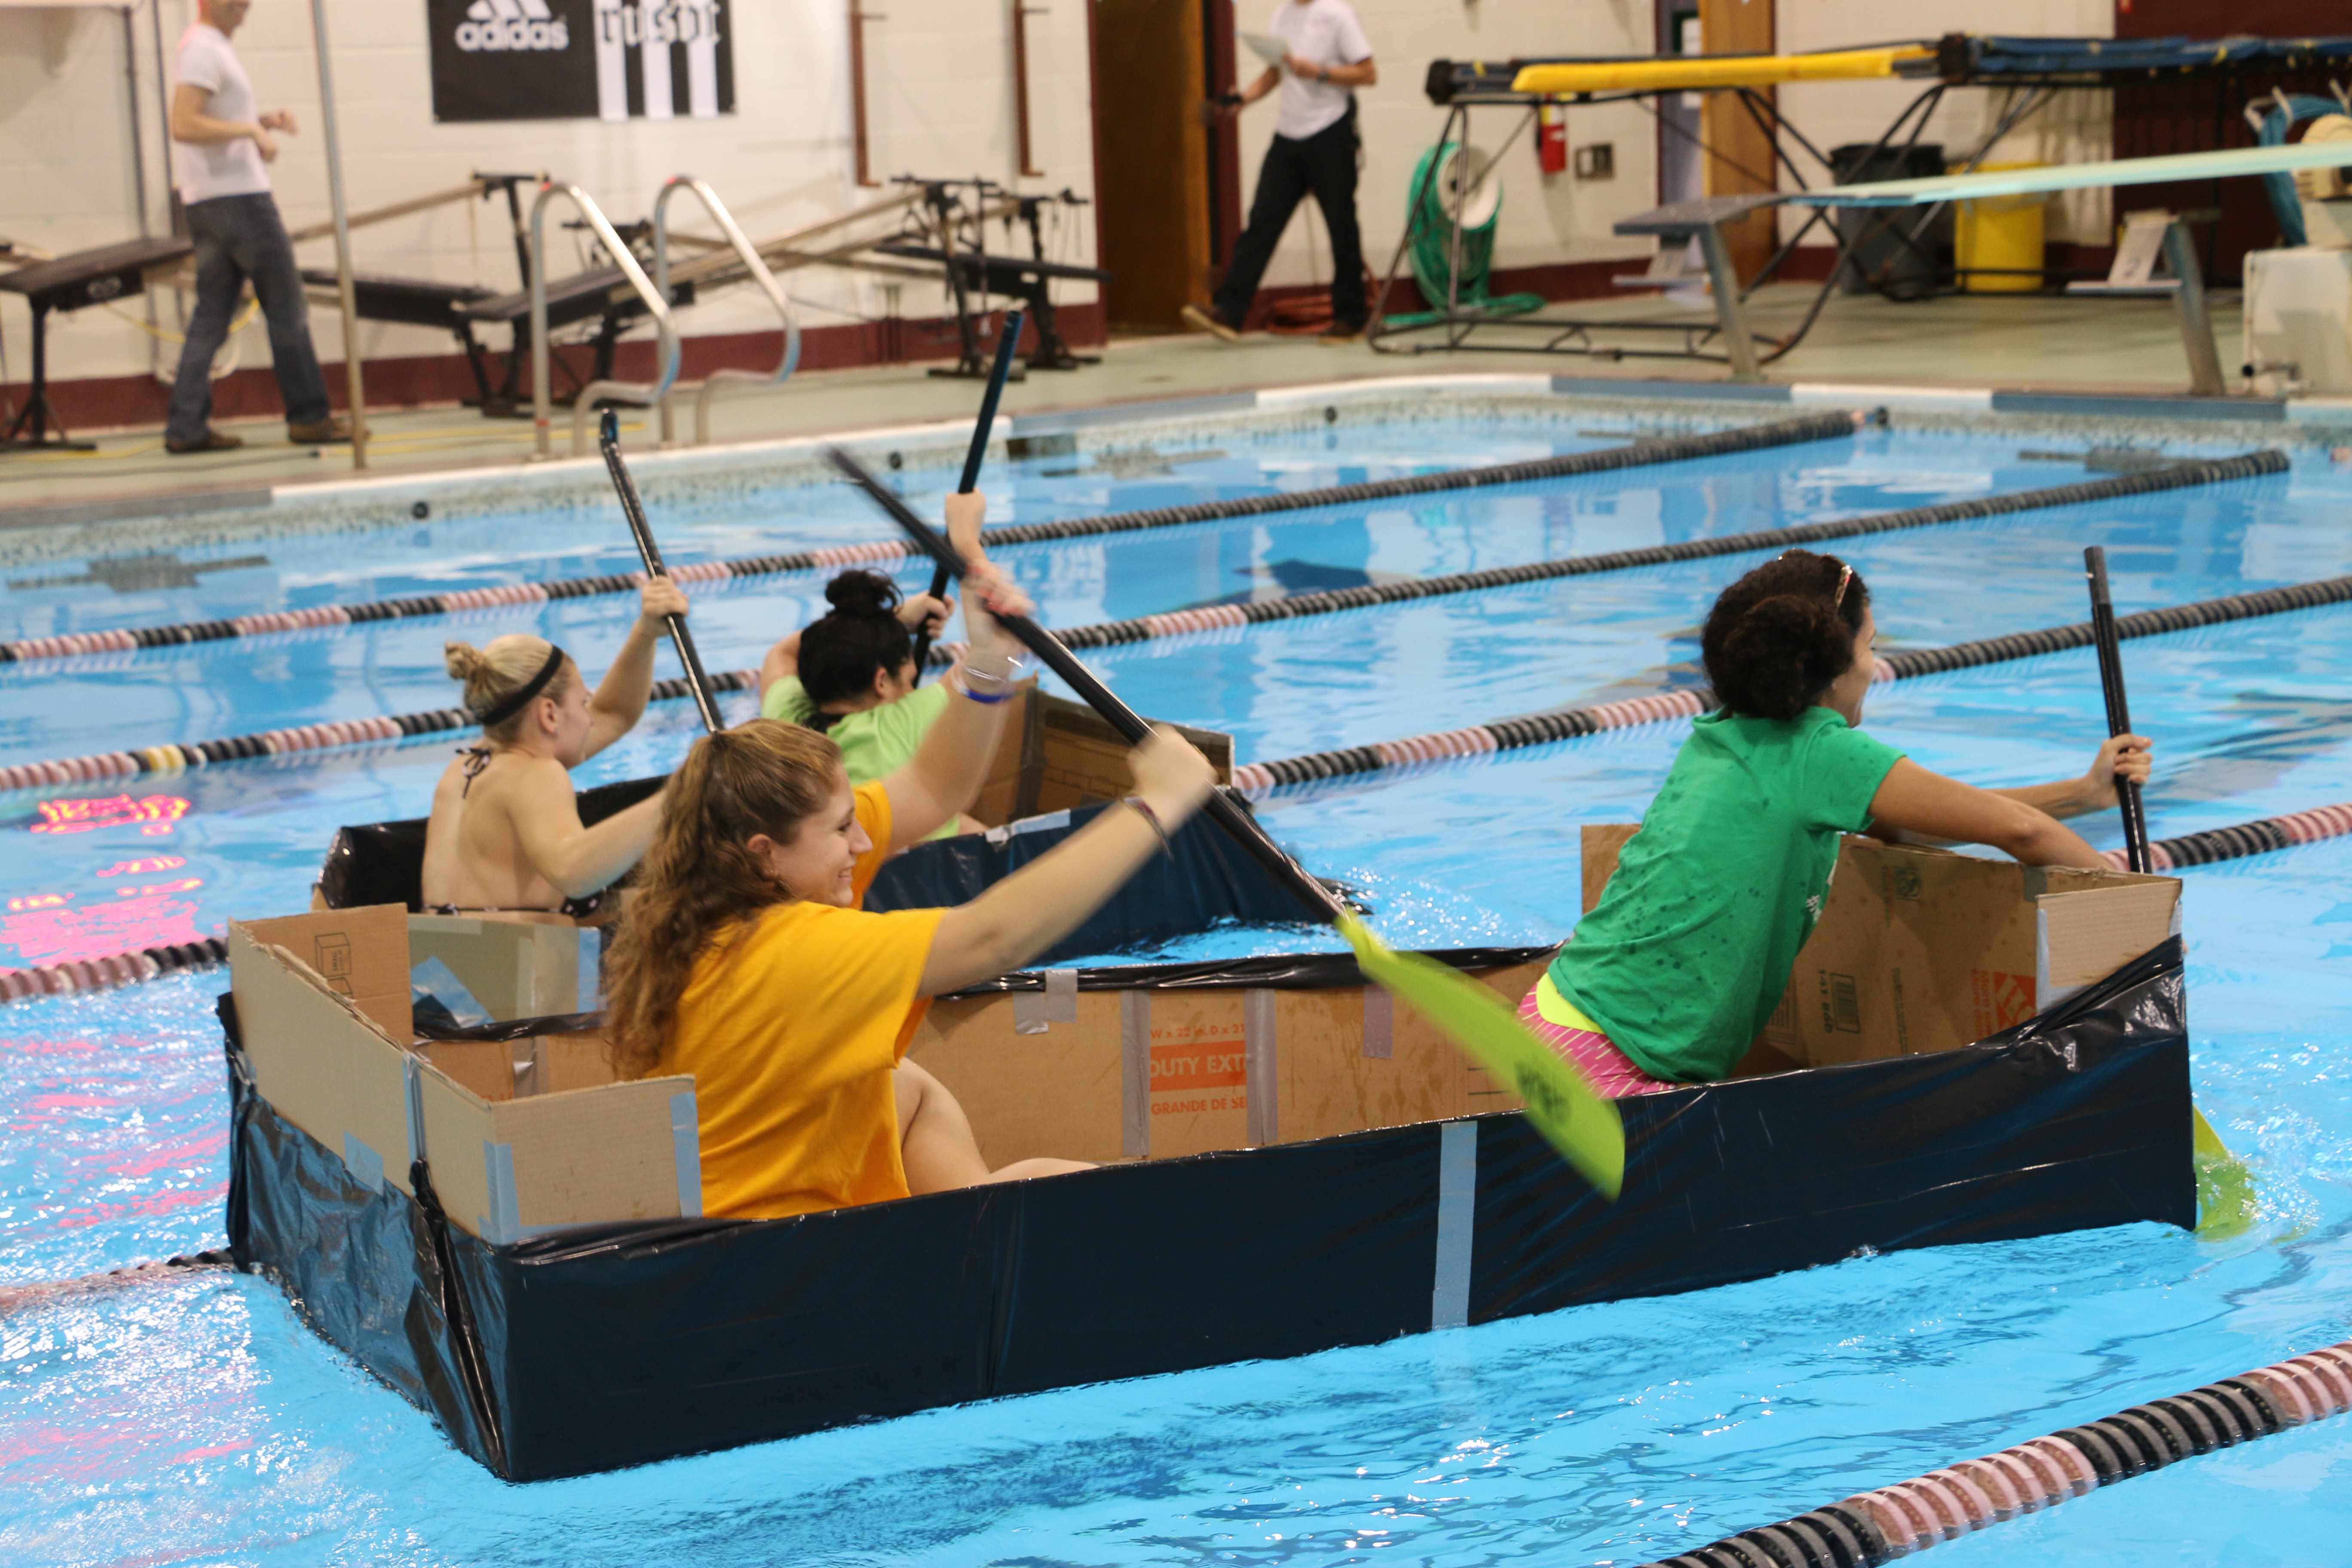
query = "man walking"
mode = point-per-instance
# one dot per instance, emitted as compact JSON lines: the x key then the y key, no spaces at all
{"x":238,"y":234}
{"x":1314,"y":149}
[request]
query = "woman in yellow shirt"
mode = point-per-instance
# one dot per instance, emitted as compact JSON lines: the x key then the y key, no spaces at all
{"x":747,"y":962}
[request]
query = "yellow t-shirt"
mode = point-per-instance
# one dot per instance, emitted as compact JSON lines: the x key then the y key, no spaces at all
{"x":792,"y":1030}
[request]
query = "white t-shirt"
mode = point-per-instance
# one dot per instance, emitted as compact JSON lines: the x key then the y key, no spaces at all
{"x":1325,"y":33}
{"x":223,"y":168}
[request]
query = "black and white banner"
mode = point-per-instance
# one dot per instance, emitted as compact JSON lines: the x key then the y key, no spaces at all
{"x":580,"y":60}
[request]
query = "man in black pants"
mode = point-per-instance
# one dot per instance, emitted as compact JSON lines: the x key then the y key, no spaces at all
{"x":1314,"y":149}
{"x":225,"y":148}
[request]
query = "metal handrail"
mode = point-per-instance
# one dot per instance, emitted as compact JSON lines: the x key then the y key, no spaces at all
{"x":646,"y":394}
{"x":755,"y":264}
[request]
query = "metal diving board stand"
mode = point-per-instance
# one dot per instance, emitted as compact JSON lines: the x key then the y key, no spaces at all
{"x":1703,"y":220}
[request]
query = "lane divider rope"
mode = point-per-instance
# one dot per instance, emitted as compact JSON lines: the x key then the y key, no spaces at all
{"x":1875,"y":1527}
{"x":1640,"y":454}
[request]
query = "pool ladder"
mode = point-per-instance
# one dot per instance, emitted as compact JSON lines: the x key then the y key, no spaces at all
{"x":655,"y":294}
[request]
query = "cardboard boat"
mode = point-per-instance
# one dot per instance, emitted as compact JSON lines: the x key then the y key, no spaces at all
{"x":1971,"y":1051}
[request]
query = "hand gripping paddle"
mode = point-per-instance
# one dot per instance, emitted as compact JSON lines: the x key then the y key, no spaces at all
{"x":1008,"y":338}
{"x":608,"y":436}
{"x":1561,"y":1105}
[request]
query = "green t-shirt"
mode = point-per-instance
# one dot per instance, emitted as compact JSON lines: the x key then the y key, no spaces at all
{"x":875,"y":744}
{"x":1688,"y":952}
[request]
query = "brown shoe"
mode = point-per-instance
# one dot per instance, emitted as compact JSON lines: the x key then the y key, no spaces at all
{"x":1201,"y":320}
{"x":327,"y":432}
{"x":210,"y":441}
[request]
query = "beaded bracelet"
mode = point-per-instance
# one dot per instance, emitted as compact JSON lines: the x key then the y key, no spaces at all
{"x":1004,"y":682}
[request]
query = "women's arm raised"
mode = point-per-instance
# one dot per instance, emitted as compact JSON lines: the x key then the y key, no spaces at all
{"x":620,"y":699}
{"x":1043,"y":903}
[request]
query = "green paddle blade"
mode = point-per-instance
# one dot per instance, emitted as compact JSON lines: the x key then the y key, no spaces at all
{"x":1575,"y":1120}
{"x":2225,"y":1188}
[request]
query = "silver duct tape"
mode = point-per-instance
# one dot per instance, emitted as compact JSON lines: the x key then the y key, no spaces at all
{"x":686,"y":1147}
{"x":1457,"y":1219}
{"x":503,"y":1225}
{"x":366,"y":1164}
{"x":1380,"y":1024}
{"x":1135,"y":1074}
{"x":1258,"y":1057}
{"x":1035,"y":1011}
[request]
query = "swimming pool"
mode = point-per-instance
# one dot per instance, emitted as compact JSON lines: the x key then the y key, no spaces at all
{"x":194,"y":1418}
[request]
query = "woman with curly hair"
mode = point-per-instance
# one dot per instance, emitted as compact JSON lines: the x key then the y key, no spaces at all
{"x":747,"y":962}
{"x":1671,"y":976}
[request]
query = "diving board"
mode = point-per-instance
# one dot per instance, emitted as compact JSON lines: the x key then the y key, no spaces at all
{"x":1702,"y":220}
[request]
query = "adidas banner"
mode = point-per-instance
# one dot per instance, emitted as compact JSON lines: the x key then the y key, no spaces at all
{"x":581,"y":59}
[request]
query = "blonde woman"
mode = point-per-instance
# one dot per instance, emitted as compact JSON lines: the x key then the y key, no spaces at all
{"x":505,"y":832}
{"x":746,"y":962}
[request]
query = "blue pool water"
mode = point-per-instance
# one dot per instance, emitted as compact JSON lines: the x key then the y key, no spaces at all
{"x":194,"y":1419}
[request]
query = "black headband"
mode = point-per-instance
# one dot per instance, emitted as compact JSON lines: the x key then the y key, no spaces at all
{"x":514,"y":702}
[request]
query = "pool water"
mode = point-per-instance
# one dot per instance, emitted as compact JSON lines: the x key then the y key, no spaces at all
{"x":191,"y":1418}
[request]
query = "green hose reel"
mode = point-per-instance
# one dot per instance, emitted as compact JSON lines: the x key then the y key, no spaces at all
{"x":1436,"y":181}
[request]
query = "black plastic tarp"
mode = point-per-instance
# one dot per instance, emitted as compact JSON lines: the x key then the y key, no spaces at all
{"x":619,"y":1345}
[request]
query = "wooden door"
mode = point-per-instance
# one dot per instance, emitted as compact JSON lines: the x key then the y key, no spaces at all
{"x":1740,"y":154}
{"x":1151,"y":160}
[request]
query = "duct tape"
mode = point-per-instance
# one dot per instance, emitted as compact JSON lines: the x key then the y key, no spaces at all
{"x":686,"y":1141}
{"x":503,"y":1227}
{"x":1258,"y":1058}
{"x":1457,"y":1217}
{"x":1034,"y":1011}
{"x":1380,"y":1024}
{"x":1135,"y":1074}
{"x":366,"y":1164}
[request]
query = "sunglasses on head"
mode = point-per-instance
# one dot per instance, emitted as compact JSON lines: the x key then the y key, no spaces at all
{"x":1845,"y":577}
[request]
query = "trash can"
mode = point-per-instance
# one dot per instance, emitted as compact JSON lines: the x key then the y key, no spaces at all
{"x":1997,"y":245}
{"x":1877,"y":254}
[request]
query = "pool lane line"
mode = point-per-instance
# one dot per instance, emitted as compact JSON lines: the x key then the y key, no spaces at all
{"x":1639,"y":454}
{"x":1874,"y":1527}
{"x":1257,"y":780}
{"x":41,"y":1293}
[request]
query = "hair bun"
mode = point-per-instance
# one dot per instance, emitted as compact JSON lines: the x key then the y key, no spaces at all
{"x":463,"y":661}
{"x":862,"y":592}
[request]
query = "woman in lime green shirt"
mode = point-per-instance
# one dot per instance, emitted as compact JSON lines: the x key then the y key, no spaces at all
{"x":1671,"y":976}
{"x":850,"y":676}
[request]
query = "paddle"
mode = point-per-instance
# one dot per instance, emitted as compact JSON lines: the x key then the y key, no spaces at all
{"x":1008,"y":338}
{"x":2111,"y":677}
{"x":1582,"y":1126}
{"x":698,"y":683}
{"x":2225,"y":1188}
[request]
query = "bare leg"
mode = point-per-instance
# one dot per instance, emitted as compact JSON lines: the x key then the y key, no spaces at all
{"x":935,"y":1144}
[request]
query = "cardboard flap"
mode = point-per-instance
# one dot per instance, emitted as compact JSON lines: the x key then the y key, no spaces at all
{"x":1603,"y":842}
{"x":523,"y":965}
{"x":2084,"y":937}
{"x":360,"y":953}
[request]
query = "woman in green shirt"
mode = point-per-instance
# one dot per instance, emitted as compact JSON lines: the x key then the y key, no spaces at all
{"x":850,"y":676}
{"x":1671,"y":976}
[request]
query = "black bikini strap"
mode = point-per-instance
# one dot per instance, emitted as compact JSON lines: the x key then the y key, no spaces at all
{"x":514,"y":702}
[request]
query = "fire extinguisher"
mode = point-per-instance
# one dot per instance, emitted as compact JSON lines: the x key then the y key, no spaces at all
{"x":1551,"y":138}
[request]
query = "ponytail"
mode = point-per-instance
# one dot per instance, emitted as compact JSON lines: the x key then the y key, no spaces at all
{"x":1781,"y":636}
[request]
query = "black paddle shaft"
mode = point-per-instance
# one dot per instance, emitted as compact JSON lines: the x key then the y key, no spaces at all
{"x":1008,"y":338}
{"x":698,"y":683}
{"x":2111,"y":679}
{"x":1222,"y":808}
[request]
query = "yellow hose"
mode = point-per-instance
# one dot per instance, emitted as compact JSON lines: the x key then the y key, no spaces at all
{"x":1691,"y":72}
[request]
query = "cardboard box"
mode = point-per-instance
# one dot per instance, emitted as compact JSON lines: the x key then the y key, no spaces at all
{"x":1058,"y":754}
{"x":522,"y":1137}
{"x":1155,"y":1074}
{"x":1923,"y":949}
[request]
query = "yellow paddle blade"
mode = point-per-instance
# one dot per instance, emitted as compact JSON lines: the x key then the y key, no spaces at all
{"x":1574,"y":1119}
{"x":2225,"y":1188}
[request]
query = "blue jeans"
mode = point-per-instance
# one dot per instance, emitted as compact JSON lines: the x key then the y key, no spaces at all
{"x":241,"y":238}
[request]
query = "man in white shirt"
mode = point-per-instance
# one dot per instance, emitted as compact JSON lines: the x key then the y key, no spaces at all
{"x":225,"y":188}
{"x":1314,"y":150}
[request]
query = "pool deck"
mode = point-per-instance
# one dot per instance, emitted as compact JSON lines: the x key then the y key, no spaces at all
{"x":2123,"y":349}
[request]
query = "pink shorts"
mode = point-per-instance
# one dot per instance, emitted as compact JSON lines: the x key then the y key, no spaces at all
{"x":1610,"y":1070}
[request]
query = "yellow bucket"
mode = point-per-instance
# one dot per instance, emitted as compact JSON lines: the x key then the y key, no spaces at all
{"x":2003,"y":233}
